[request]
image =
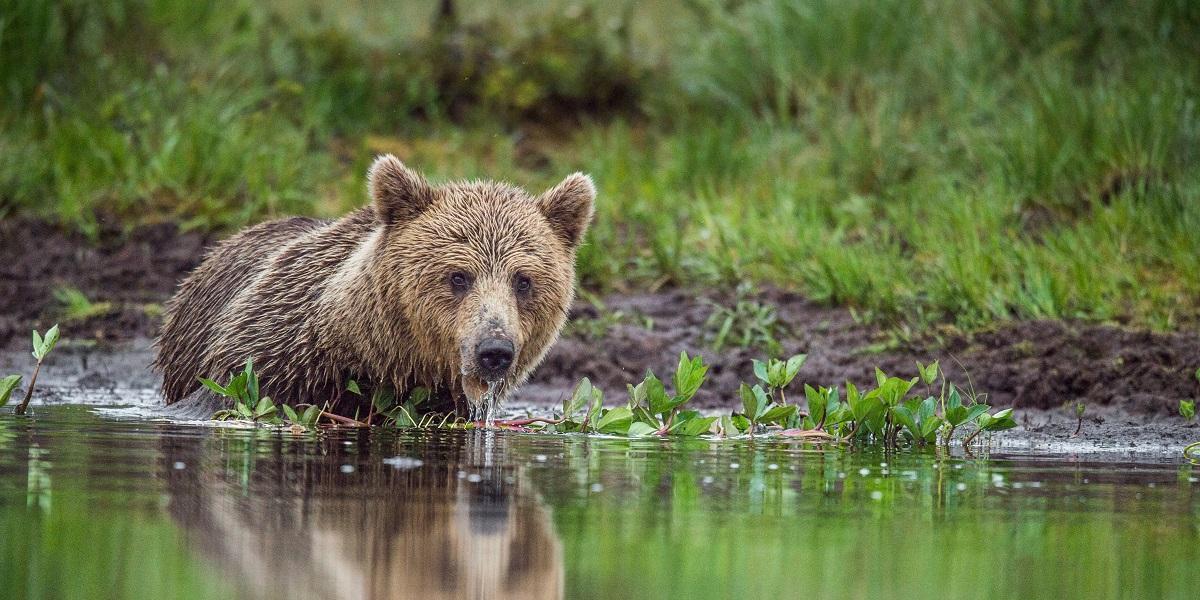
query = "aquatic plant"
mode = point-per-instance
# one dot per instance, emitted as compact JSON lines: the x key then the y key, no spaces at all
{"x":887,"y":415}
{"x":777,"y":374}
{"x":41,"y":347}
{"x":247,"y":404}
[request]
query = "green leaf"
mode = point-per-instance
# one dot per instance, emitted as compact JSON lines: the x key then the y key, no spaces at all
{"x":290,"y":414}
{"x":927,"y":409}
{"x":688,"y":376}
{"x":578,"y":399}
{"x":760,"y":371}
{"x":7,"y":385}
{"x":595,"y":405}
{"x":880,"y":377}
{"x":383,"y":397}
{"x":906,"y":418}
{"x":416,"y":397}
{"x":264,"y":407}
{"x":929,"y":428}
{"x":727,"y":425}
{"x":352,"y":387}
{"x":928,"y":373}
{"x":251,"y":382}
{"x":643,"y":415}
{"x":311,"y":414}
{"x":637,"y":394}
{"x":749,"y":401}
{"x":953,"y":400}
{"x":215,"y":387}
{"x":817,"y":403}
{"x":694,"y":426}
{"x":615,"y":420}
{"x":640,"y":429}
{"x":741,"y":422}
{"x":793,"y":368}
{"x":37,"y":345}
{"x":777,"y":414}
{"x":998,"y":422}
{"x":975,"y":411}
{"x":656,"y":395}
{"x":1187,"y":408}
{"x":47,"y":344}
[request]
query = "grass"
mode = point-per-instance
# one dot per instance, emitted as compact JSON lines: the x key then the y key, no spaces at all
{"x":921,"y":163}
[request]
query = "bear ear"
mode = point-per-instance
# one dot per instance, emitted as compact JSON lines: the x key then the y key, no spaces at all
{"x":568,"y":207}
{"x":399,"y":193}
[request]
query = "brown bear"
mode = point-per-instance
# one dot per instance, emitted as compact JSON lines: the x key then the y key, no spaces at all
{"x":456,"y":287}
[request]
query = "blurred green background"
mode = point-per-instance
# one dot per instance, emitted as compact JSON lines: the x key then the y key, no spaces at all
{"x":923,"y":162}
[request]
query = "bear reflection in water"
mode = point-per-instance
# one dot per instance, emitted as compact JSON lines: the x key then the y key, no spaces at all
{"x":282,"y":519}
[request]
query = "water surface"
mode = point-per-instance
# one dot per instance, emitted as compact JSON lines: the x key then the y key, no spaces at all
{"x":99,"y":504}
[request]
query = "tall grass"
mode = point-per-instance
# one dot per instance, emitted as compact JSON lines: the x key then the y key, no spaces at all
{"x":925,"y":161}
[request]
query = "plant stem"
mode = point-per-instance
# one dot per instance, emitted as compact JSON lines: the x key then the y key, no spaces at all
{"x":343,"y":420}
{"x":971,"y":438}
{"x":1078,"y":427}
{"x":671,"y":419}
{"x":29,"y":391}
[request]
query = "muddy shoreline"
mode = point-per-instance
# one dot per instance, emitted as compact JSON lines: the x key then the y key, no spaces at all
{"x":1131,"y":381}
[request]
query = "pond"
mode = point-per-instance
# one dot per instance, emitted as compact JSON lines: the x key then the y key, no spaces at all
{"x":102,"y":503}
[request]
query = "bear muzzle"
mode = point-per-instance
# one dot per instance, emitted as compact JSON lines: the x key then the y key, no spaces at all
{"x":494,"y":356}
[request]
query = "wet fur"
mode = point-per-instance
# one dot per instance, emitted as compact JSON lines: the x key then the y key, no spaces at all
{"x":315,"y":303}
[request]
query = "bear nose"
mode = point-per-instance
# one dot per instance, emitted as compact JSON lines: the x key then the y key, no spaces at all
{"x":495,"y":355}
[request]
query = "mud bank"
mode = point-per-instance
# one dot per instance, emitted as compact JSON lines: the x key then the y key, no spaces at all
{"x":1042,"y":365}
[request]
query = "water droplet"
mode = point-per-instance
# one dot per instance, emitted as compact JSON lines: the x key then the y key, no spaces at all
{"x":347,"y":468}
{"x":961,"y":487}
{"x":772,"y":466}
{"x":734,"y":465}
{"x":179,"y":465}
{"x":877,"y":495}
{"x":864,"y":471}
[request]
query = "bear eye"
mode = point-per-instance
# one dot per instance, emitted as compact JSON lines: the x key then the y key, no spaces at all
{"x":522,"y":284}
{"x":460,"y":282}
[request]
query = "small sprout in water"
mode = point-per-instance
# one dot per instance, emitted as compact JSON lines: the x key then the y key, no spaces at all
{"x":41,"y":347}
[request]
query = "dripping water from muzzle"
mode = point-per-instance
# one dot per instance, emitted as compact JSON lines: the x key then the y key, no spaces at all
{"x":486,"y":409}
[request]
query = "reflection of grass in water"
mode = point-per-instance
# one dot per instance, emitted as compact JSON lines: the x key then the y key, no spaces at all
{"x":67,"y":536}
{"x":694,"y":525}
{"x":976,"y":162}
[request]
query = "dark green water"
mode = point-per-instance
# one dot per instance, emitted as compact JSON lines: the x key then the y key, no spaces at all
{"x":101,"y":507}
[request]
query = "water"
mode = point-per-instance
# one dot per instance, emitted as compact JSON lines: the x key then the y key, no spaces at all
{"x":106,"y":505}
